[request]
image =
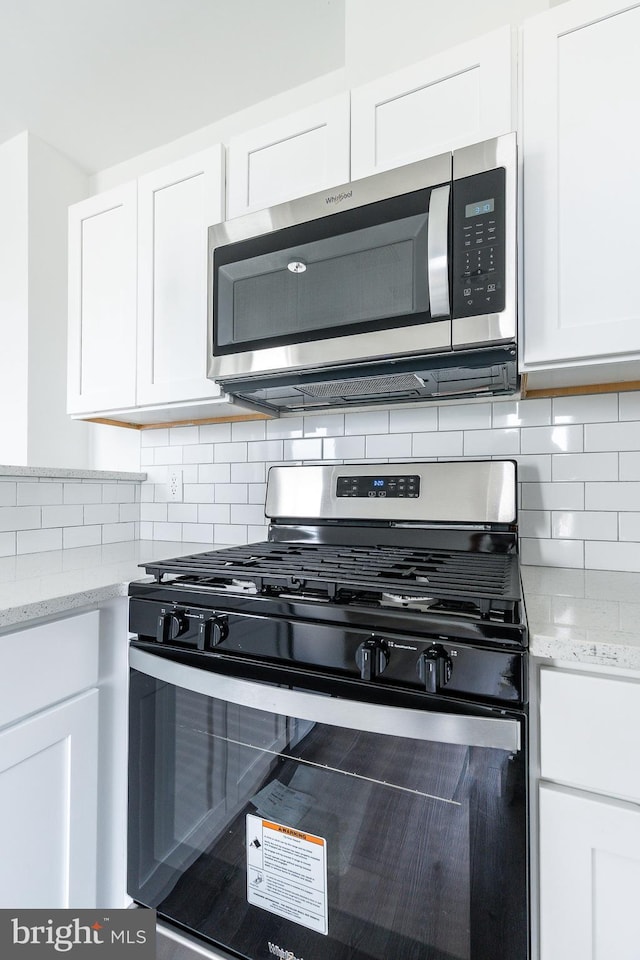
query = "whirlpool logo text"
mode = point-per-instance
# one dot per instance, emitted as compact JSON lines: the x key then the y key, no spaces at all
{"x":280,"y":953}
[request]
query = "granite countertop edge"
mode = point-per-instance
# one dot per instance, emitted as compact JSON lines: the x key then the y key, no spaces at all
{"x":63,"y":473}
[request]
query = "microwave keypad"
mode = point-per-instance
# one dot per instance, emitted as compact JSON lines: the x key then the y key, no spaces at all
{"x":478,"y":245}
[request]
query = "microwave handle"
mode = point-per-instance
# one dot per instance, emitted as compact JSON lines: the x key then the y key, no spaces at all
{"x":438,"y":251}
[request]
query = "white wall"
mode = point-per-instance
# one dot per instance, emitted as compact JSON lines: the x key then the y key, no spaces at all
{"x":14,"y":303}
{"x":54,"y":440}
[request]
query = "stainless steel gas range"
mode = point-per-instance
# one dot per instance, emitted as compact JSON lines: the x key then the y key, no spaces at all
{"x":328,"y":730}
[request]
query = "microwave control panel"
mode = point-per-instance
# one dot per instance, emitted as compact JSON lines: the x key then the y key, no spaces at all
{"x":478,"y":223}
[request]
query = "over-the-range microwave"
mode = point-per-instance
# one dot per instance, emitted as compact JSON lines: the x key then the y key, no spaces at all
{"x":398,"y":287}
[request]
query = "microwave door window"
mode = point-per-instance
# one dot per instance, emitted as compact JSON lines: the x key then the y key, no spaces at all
{"x":365,"y":279}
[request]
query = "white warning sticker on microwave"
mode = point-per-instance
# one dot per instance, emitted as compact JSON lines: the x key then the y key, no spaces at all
{"x":287,"y":873}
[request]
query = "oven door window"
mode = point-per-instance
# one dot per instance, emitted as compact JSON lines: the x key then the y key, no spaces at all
{"x":352,"y":272}
{"x":252,"y":828}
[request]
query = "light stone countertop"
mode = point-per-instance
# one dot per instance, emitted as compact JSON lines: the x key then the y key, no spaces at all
{"x":51,"y":583}
{"x":60,"y":473}
{"x":583,"y":616}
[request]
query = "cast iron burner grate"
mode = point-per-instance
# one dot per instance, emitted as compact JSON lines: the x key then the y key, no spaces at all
{"x":481,"y":583}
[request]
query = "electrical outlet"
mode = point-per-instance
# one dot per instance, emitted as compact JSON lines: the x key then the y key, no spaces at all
{"x":175,"y":484}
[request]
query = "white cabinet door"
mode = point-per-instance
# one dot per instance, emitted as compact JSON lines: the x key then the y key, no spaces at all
{"x":581,"y":78}
{"x":291,"y":157}
{"x":461,"y":96}
{"x":48,"y":807}
{"x":589,"y":877}
{"x":176,"y":205}
{"x":102,"y":301}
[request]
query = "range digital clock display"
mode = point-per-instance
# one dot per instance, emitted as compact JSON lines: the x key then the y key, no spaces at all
{"x":382,"y":486}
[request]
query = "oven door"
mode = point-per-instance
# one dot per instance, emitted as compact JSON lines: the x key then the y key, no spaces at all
{"x":271,"y":820}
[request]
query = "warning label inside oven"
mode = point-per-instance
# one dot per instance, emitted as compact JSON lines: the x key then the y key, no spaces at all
{"x":287,"y":872}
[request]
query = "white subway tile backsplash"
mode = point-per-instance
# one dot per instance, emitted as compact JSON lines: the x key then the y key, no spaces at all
{"x":588,"y":409}
{"x":374,"y":421}
{"x":8,"y":494}
{"x":215,"y":433}
{"x":167,"y":455}
{"x":84,"y":492}
{"x":214,"y":512}
{"x":198,"y":492}
{"x":521,"y":413}
{"x":81,"y":536}
{"x":343,"y":448}
{"x":630,"y":405}
{"x":257,"y":493}
{"x":466,"y":416}
{"x":38,"y":493}
{"x":612,"y":496}
{"x":265,"y":450}
{"x":612,"y":436}
{"x":324,"y":425}
{"x":231,"y":493}
{"x":630,"y":526}
{"x":129,"y":512}
{"x":257,"y":534}
{"x":154,"y":438}
{"x":383,"y":447}
{"x":630,"y":466}
{"x":433,"y":445}
{"x":99,"y":513}
{"x":7,"y":544}
{"x":534,"y":468}
{"x":552,"y":496}
{"x":230,"y":534}
{"x":413,"y":420}
{"x":535,"y":523}
{"x":118,"y":493}
{"x":248,"y":430}
{"x":146,"y":530}
{"x":183,"y":436}
{"x":491,"y":443}
{"x":20,"y":518}
{"x":37,"y":541}
{"x":308,"y":449}
{"x":584,"y":525}
{"x":215,"y":472}
{"x":198,"y":453}
{"x":556,"y":439}
{"x":584,"y":466}
{"x":167,"y":531}
{"x":198,"y":532}
{"x":552,"y":553}
{"x":288,"y":428}
{"x":247,"y":473}
{"x":248,"y":513}
{"x":153,"y":511}
{"x":118,"y":532}
{"x":612,"y":556}
{"x":181,"y":513}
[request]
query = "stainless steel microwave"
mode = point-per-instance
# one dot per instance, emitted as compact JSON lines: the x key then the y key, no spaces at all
{"x":396,"y":287}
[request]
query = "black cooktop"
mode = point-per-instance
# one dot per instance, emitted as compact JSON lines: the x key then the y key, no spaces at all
{"x":484,"y":585}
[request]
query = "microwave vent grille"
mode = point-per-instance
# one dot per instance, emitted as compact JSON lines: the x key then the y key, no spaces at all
{"x":366,"y":386}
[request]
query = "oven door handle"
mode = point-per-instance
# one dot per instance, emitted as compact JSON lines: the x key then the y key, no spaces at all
{"x":497,"y":733}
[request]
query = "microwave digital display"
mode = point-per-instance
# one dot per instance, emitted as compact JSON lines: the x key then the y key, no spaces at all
{"x":479,"y":207}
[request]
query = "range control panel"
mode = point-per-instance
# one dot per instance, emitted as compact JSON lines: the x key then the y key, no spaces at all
{"x":382,"y":486}
{"x":479,"y":244}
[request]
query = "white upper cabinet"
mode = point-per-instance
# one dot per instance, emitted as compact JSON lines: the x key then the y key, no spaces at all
{"x":176,"y":205}
{"x":102,"y":301}
{"x":461,"y":96}
{"x":291,"y":157}
{"x":581,"y":81}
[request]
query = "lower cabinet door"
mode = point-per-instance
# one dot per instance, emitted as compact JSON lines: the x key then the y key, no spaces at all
{"x":589,"y":877}
{"x":48,"y":807}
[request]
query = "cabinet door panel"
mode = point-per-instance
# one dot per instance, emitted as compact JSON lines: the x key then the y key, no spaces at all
{"x":589,"y":877}
{"x":48,"y":807}
{"x":102,"y":301}
{"x":581,"y":202}
{"x":461,"y":96}
{"x":176,"y":205}
{"x":291,"y":157}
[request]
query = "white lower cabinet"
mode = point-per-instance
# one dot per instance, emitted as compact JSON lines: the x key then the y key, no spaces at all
{"x":589,"y":876}
{"x":63,"y":761}
{"x":48,"y":807}
{"x":589,"y":815}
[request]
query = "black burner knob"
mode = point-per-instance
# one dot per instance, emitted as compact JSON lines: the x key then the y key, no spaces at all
{"x":212,"y":632}
{"x":171,"y":625}
{"x":434,"y":668}
{"x":372,"y":658}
